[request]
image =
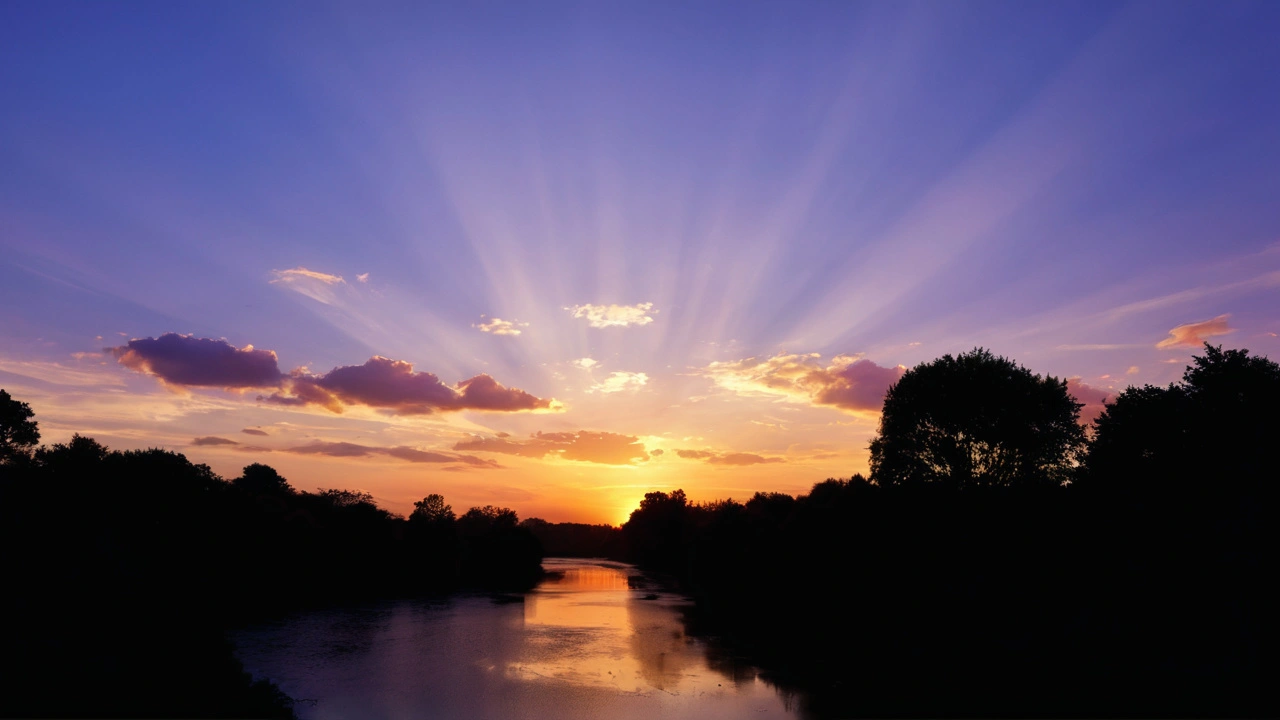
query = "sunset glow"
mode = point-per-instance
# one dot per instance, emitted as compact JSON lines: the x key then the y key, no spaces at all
{"x":618,"y":251}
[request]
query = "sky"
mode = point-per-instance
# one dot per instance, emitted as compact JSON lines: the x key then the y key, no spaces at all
{"x":553,"y":256}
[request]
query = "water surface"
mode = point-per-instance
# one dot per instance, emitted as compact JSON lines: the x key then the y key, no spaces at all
{"x":593,"y":640}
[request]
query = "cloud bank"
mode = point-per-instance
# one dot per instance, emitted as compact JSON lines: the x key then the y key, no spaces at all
{"x":382,"y":383}
{"x":1194,"y":334}
{"x":849,"y":382}
{"x":394,"y":386}
{"x":598,"y":447}
{"x":603,"y":316}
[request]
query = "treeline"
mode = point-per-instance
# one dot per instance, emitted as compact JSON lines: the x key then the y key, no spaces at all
{"x":997,"y":564}
{"x":123,"y":569}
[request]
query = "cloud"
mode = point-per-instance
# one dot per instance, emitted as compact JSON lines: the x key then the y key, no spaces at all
{"x":656,"y":452}
{"x":199,"y":362}
{"x":1092,"y":397}
{"x":739,"y":458}
{"x":597,"y":447}
{"x":498,"y":326}
{"x":620,"y":382}
{"x":211,"y":440}
{"x":1194,"y":334}
{"x":393,"y":385}
{"x":585,"y":363}
{"x":1133,"y":370}
{"x":254,"y":431}
{"x":318,"y":286}
{"x":603,"y":316}
{"x":300,"y":273}
{"x":362,"y":277}
{"x":349,"y":450}
{"x":849,"y":383}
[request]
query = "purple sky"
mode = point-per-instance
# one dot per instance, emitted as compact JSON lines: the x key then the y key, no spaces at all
{"x":710,"y":228}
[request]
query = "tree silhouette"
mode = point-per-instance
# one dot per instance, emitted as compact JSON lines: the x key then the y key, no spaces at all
{"x":1219,"y":422}
{"x":432,"y":509}
{"x":18,"y":432}
{"x":977,"y":420}
{"x":263,"y":480}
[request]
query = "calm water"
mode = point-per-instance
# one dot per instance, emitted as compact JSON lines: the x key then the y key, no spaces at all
{"x":584,"y":644}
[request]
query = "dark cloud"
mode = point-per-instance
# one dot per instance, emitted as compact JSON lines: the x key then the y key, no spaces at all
{"x":859,"y":385}
{"x":210,"y":440}
{"x":597,"y":447}
{"x":656,"y":453}
{"x":739,"y":458}
{"x":1092,"y":397}
{"x":393,"y":385}
{"x":347,"y":449}
{"x":199,"y":362}
{"x":254,"y":431}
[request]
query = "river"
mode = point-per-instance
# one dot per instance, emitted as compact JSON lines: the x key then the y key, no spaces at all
{"x":595,"y":639}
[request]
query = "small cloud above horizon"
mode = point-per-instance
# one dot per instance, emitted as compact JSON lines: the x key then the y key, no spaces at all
{"x":498,"y":326}
{"x":620,"y":382}
{"x":603,"y":316}
{"x":211,"y":440}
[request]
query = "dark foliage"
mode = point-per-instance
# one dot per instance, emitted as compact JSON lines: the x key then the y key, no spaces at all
{"x":1139,"y":591}
{"x":977,"y":420}
{"x":124,"y":569}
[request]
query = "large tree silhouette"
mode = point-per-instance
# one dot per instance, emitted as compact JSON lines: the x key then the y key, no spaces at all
{"x":977,"y":420}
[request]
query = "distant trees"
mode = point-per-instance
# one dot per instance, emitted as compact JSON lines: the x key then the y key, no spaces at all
{"x":127,"y":565}
{"x":18,"y":432}
{"x":977,"y":420}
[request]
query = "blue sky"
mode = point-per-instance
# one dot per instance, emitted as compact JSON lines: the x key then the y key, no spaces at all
{"x":1064,"y":183}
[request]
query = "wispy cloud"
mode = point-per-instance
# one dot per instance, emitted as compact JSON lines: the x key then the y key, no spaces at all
{"x":585,"y":363}
{"x":737,"y":458}
{"x":297,"y":273}
{"x":1194,"y":334}
{"x":603,"y":316}
{"x":597,"y":447}
{"x":408,"y":454}
{"x":318,"y":286}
